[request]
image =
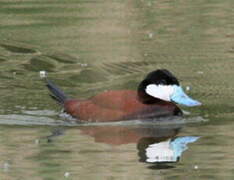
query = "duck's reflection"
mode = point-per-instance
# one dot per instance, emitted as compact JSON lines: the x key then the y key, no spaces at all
{"x":118,"y":135}
{"x":155,"y":144}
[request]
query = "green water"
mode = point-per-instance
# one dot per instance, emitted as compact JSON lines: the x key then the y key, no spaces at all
{"x":91,"y":46}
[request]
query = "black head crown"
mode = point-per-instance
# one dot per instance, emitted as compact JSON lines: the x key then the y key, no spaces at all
{"x":161,"y":76}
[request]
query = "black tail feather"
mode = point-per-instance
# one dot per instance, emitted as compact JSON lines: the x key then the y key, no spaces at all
{"x":56,"y":93}
{"x":56,"y":99}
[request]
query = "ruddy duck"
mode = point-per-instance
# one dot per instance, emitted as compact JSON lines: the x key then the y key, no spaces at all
{"x":156,"y":96}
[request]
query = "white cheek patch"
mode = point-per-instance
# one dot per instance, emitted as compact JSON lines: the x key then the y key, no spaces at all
{"x":160,"y":91}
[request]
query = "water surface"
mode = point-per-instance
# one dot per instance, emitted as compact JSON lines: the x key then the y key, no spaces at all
{"x":91,"y":46}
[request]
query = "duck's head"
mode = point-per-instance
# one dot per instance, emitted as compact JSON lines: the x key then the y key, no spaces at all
{"x":163,"y":85}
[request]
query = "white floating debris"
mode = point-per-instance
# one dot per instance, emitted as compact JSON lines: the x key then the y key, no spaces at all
{"x":37,"y":141}
{"x":83,"y":64}
{"x":6,"y":166}
{"x":188,"y":88}
{"x":200,"y":72}
{"x":66,"y":174}
{"x":43,"y":74}
{"x":150,"y":35}
{"x":195,"y":167}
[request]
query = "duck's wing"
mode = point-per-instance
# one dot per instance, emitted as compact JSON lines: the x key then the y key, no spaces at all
{"x":116,"y":100}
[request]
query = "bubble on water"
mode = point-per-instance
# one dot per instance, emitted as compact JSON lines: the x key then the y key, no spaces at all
{"x":66,"y":174}
{"x":37,"y":141}
{"x":6,"y":166}
{"x":150,"y":35}
{"x":83,"y":64}
{"x":188,"y":88}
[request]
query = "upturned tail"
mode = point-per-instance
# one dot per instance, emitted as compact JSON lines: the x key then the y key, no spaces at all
{"x":56,"y":93}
